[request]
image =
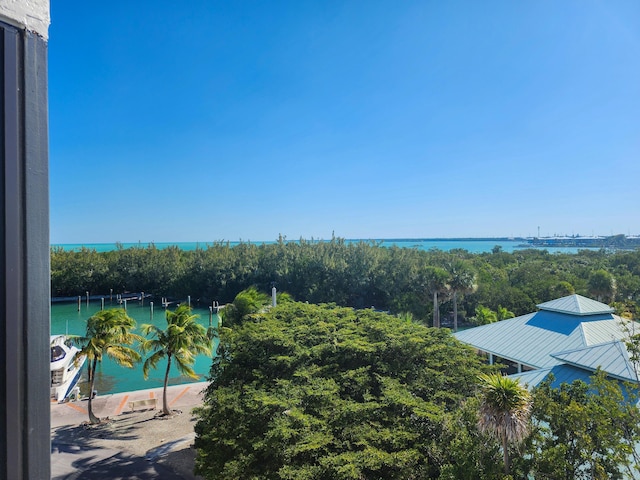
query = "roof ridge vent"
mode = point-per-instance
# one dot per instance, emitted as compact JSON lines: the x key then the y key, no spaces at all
{"x":576,"y":305}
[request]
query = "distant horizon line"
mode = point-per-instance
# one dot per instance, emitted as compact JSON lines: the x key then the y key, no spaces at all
{"x":391,"y":239}
{"x":417,"y":239}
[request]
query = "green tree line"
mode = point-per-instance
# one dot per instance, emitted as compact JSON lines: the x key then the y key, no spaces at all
{"x":434,"y":286}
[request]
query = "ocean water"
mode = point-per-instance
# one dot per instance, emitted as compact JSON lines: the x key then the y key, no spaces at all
{"x":472,"y":245}
{"x":110,"y":377}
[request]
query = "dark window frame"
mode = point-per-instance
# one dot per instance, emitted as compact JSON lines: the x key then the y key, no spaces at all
{"x":25,"y":448}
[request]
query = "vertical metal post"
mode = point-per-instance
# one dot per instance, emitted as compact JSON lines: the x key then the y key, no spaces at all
{"x":24,"y":256}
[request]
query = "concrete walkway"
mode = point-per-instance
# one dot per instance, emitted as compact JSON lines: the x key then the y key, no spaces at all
{"x":70,"y":459}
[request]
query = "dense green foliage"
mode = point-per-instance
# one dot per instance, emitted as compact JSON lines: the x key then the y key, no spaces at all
{"x":585,"y":432}
{"x":360,"y":275}
{"x":324,"y":392}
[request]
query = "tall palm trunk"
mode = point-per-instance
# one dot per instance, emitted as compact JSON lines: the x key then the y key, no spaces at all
{"x":455,"y":311}
{"x":436,"y":310}
{"x":165,"y":404}
{"x":505,"y":455}
{"x":92,"y":378}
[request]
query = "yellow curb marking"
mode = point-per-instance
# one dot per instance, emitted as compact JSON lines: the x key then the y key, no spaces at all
{"x":76,"y":407}
{"x":121,"y":406}
{"x":179,"y":395}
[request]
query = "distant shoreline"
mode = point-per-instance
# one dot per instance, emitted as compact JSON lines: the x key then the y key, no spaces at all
{"x":556,"y":244}
{"x":237,"y":242}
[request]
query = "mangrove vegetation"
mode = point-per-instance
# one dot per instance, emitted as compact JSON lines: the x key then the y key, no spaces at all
{"x":436,"y":287}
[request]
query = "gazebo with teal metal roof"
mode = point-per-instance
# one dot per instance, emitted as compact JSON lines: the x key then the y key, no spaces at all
{"x":561,"y":336}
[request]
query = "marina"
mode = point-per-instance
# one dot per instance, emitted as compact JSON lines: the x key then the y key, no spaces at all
{"x":70,"y":320}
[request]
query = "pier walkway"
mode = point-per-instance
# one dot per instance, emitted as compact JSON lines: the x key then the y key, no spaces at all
{"x":78,"y":453}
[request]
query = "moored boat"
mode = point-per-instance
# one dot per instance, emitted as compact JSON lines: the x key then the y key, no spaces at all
{"x":66,"y":366}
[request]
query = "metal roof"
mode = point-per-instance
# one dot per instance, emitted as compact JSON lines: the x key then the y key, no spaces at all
{"x":531,"y":339}
{"x":570,"y":337}
{"x":612,"y":357}
{"x":561,"y":374}
{"x":568,"y":374}
{"x":576,"y":305}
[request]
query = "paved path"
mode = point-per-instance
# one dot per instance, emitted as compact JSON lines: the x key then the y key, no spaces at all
{"x":71,"y":461}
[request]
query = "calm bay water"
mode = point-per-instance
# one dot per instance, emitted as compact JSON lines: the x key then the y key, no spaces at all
{"x":472,"y":245}
{"x":111,"y":378}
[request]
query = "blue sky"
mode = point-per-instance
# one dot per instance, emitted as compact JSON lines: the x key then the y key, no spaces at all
{"x":217,"y":120}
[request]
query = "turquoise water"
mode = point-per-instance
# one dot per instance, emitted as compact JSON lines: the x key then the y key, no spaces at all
{"x":111,"y":378}
{"x":473,"y":245}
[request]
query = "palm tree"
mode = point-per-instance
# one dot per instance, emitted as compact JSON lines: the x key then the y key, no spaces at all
{"x":503,"y":313}
{"x":108,"y":333}
{"x":603,"y":285}
{"x":246,"y":303}
{"x":182,"y":340}
{"x":435,"y":282}
{"x":505,"y":408}
{"x":461,"y":279}
{"x":484,"y":315}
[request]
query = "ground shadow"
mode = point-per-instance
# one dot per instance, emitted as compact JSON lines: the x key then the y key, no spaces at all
{"x":80,"y":438}
{"x":182,"y":462}
{"x":79,"y":452}
{"x":119,"y":467}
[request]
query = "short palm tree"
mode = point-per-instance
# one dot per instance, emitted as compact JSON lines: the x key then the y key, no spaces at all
{"x":108,"y":333}
{"x":247,"y":302}
{"x":505,"y":409}
{"x":182,"y":340}
{"x":504,"y":313}
{"x":484,"y":315}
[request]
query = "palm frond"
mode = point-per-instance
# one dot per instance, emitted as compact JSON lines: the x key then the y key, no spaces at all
{"x":152,"y":362}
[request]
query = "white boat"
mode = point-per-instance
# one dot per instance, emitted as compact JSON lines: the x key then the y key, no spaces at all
{"x":66,"y":366}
